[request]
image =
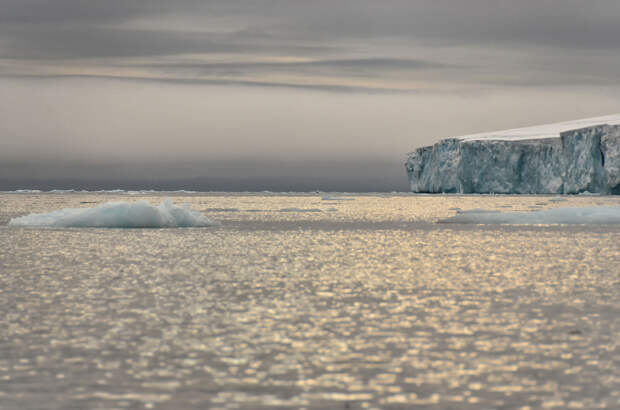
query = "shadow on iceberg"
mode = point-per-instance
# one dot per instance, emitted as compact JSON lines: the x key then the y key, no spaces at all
{"x":119,"y":215}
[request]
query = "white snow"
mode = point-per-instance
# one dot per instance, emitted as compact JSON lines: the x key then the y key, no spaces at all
{"x":542,"y":131}
{"x":119,"y":215}
{"x":571,"y":216}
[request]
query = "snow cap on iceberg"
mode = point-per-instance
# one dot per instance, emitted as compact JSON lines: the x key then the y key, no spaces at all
{"x":542,"y":131}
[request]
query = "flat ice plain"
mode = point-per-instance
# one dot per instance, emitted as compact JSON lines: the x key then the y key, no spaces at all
{"x":367,"y":302}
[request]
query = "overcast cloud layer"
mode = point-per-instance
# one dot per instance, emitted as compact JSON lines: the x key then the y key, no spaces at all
{"x":123,"y":80}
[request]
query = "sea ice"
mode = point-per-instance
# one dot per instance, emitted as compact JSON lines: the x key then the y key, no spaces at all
{"x":574,"y":216}
{"x":119,"y":215}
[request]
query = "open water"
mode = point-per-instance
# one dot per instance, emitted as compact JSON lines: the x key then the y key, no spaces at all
{"x":295,"y":301}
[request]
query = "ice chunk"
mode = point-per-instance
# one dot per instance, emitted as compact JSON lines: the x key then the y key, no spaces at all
{"x":574,"y":216}
{"x":119,"y":215}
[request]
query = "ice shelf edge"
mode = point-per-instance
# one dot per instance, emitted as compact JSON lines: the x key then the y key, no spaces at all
{"x":580,"y":160}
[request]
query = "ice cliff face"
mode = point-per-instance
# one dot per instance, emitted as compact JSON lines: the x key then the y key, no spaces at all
{"x":565,"y":158}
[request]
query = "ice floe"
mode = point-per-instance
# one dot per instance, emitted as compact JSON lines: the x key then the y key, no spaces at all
{"x":573,"y":216}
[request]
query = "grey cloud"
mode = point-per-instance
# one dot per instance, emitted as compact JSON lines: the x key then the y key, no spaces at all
{"x":76,"y":11}
{"x":558,"y":23}
{"x":395,"y":63}
{"x":230,"y":82}
{"x":344,"y":38}
{"x":86,"y":42}
{"x":359,"y":66}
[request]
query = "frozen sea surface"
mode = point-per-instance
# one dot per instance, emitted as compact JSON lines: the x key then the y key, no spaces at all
{"x":294,"y":301}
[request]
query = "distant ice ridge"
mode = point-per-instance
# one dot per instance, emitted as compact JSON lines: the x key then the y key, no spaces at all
{"x":570,"y":216}
{"x":564,"y":158}
{"x":139,"y":214}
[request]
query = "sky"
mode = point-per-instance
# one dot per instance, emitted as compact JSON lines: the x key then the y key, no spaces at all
{"x":283,"y":94}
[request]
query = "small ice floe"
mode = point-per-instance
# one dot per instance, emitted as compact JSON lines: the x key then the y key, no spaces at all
{"x":63,"y":191}
{"x":184,"y":191}
{"x":336,"y":198}
{"x":139,"y":214}
{"x":573,"y":216}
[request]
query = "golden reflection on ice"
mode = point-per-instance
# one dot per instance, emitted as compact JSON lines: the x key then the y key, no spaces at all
{"x":366,"y":303}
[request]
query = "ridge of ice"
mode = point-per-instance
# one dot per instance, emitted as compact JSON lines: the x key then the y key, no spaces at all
{"x":139,"y":214}
{"x":566,"y":216}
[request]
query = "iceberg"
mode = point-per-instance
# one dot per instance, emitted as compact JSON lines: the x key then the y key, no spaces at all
{"x":139,"y":214}
{"x":563,"y":158}
{"x":605,"y":215}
